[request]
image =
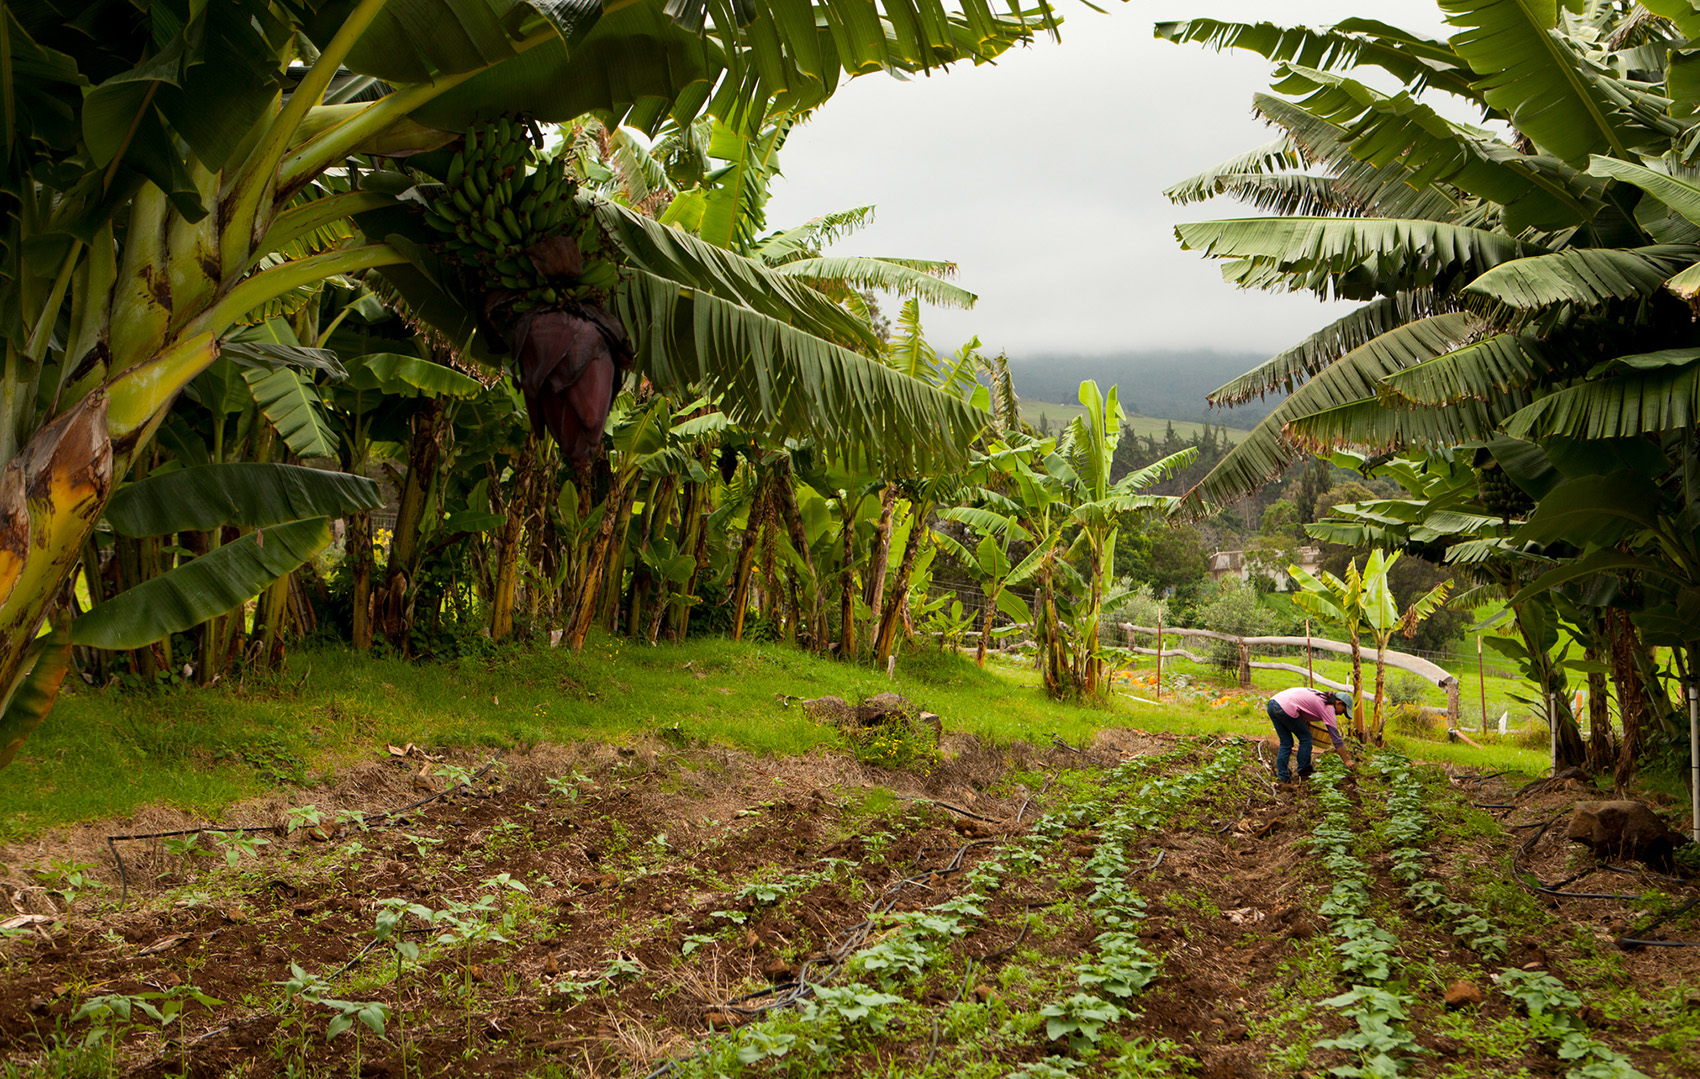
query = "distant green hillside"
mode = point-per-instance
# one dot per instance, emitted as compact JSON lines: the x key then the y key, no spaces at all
{"x":1165,"y":384}
{"x":1059,"y":414}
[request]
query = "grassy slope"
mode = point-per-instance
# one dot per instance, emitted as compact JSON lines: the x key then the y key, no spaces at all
{"x":1154,"y":426}
{"x":104,"y":753}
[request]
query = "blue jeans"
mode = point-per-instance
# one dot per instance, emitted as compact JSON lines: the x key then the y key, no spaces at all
{"x":1287,"y":728}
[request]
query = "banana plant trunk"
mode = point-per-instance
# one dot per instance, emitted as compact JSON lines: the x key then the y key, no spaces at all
{"x":597,"y":558}
{"x":1380,"y":688}
{"x":1602,"y":752}
{"x":1631,"y":702}
{"x":891,"y":617}
{"x":508,"y":556}
{"x":873,"y":580}
{"x":847,"y":582}
{"x":1357,"y":688}
{"x":696,"y":541}
{"x":357,"y":543}
{"x":393,"y":606}
{"x":810,"y":585}
{"x":747,"y":562}
{"x":988,"y":614}
{"x":51,"y":495}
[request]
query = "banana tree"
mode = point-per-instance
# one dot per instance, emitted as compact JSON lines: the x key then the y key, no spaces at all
{"x":285,"y":510}
{"x":1340,"y":603}
{"x":144,"y":255}
{"x":989,"y":563}
{"x":1383,"y":619}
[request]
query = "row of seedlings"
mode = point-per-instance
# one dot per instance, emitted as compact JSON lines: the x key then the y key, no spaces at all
{"x":1368,"y":953}
{"x":866,"y":1004}
{"x":1554,"y":1010}
{"x":1120,"y":967}
{"x":1407,"y":825}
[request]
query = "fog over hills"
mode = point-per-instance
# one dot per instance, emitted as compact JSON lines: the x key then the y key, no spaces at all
{"x":1165,"y":384}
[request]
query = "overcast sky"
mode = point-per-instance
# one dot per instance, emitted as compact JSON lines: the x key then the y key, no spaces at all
{"x":1042,"y":178}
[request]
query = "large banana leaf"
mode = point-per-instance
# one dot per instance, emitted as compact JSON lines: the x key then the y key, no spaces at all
{"x":1376,"y":191}
{"x":1294,"y":194}
{"x":1480,"y":371}
{"x":1371,"y":423}
{"x":211,"y":585}
{"x":1286,"y":370}
{"x":1415,"y":60}
{"x":246,"y":494}
{"x":1673,"y":191}
{"x":1345,"y":256}
{"x":678,"y":256}
{"x":397,"y":374}
{"x":1387,"y":130}
{"x":27,"y":703}
{"x":1593,"y":511}
{"x":1266,"y":452}
{"x":414,"y":41}
{"x":773,"y":376}
{"x":294,"y":407}
{"x":1275,"y":156}
{"x":889,"y":275}
{"x":780,"y":44}
{"x":1664,"y":398}
{"x":1557,"y":96}
{"x":1585,"y":276}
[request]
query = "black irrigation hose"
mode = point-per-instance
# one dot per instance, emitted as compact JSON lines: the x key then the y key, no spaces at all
{"x":791,"y":992}
{"x":803,"y":986}
{"x":240,"y":829}
{"x":1492,"y":805}
{"x":1627,"y":941}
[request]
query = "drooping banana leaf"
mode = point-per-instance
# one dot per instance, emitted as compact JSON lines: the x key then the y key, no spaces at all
{"x":28,"y":702}
{"x":295,"y":409}
{"x":1353,"y":258}
{"x":211,"y":585}
{"x":1588,"y":277}
{"x":243,"y":493}
{"x":1283,"y":372}
{"x":772,"y":375}
{"x":1414,"y":60}
{"x":1561,"y":98}
{"x":1665,"y":398}
{"x":397,"y":374}
{"x":1479,"y":371}
{"x":889,"y":275}
{"x":1398,"y":130}
{"x":1386,"y":190}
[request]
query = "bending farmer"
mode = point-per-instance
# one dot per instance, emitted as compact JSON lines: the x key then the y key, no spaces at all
{"x":1294,"y":712}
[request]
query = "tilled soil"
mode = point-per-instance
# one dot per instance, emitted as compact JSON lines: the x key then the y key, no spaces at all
{"x":669,"y":897}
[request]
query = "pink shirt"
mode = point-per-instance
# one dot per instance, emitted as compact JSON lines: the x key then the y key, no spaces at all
{"x":1309,"y":704}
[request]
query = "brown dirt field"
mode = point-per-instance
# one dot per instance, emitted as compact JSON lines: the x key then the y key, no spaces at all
{"x":640,"y":924}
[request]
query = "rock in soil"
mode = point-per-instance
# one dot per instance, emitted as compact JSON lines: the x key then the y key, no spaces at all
{"x":881,"y":707}
{"x":1461,"y":993}
{"x":1623,"y":829}
{"x":833,"y":710}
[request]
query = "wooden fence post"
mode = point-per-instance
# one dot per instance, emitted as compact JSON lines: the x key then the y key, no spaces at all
{"x":1481,"y":680}
{"x":1245,"y":665}
{"x":1159,"y":686}
{"x":1452,"y":694}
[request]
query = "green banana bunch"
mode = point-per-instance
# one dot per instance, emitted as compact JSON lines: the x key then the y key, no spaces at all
{"x":498,"y":198}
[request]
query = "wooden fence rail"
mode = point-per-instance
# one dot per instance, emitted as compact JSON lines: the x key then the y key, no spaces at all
{"x":1422,"y":668}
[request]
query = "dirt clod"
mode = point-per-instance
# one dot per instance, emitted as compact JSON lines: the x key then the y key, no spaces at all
{"x":1462,"y":993}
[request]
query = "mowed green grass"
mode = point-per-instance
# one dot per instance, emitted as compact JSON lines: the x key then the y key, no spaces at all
{"x":1060,"y":414}
{"x":105,"y":752}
